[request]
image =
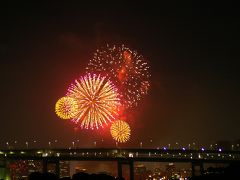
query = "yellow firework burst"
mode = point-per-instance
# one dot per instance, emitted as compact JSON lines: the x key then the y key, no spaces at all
{"x":97,"y":98}
{"x":66,"y":107}
{"x":120,"y":131}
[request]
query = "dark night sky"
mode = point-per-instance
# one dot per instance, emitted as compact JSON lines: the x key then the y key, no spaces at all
{"x":192,"y":50}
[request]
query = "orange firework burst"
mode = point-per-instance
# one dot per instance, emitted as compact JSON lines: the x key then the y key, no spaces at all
{"x":66,"y":107}
{"x":97,"y":98}
{"x":126,"y":68}
{"x":120,"y":131}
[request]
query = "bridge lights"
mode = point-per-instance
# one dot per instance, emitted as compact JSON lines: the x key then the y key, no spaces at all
{"x":169,"y":145}
{"x":7,"y":145}
{"x":44,"y":154}
{"x":194,"y":145}
{"x":130,"y":155}
{"x":177,"y":145}
{"x":26,"y":144}
{"x":211,"y":146}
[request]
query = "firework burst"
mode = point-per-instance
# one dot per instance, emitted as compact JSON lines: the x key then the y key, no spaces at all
{"x":97,"y":98}
{"x":66,"y":107}
{"x":126,"y":68}
{"x":120,"y":131}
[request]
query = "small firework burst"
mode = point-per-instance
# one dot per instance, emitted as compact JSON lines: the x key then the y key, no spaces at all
{"x":66,"y":107}
{"x":120,"y":131}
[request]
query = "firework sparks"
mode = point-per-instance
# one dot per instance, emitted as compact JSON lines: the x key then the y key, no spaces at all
{"x":66,"y":107}
{"x":126,"y":68}
{"x":120,"y":131}
{"x":97,"y":98}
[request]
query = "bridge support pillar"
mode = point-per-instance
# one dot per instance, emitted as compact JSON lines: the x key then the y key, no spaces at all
{"x":193,"y":170}
{"x":201,"y":168}
{"x":57,"y":166}
{"x":131,"y":168}
{"x":119,"y":169}
{"x":4,"y":171}
{"x":131,"y":164}
{"x":44,"y":165}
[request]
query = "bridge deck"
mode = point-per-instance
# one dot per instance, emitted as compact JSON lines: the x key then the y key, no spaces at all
{"x":115,"y":154}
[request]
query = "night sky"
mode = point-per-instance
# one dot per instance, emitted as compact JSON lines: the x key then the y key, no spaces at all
{"x":193,"y":52}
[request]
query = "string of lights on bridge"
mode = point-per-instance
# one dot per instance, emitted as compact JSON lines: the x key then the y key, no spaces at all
{"x":34,"y":144}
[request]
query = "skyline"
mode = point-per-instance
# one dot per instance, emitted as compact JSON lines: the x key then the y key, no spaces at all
{"x":192,"y":52}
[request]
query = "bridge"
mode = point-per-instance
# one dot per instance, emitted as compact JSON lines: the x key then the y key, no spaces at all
{"x":122,"y":156}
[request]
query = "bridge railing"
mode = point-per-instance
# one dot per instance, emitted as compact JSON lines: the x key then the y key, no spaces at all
{"x":109,"y":153}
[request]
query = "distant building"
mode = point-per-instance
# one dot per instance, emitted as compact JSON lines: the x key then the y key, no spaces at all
{"x":186,"y":173}
{"x":34,"y":166}
{"x":79,"y":169}
{"x":18,"y":170}
{"x":64,"y":169}
{"x":141,"y":173}
{"x":170,"y":170}
{"x":158,"y":174}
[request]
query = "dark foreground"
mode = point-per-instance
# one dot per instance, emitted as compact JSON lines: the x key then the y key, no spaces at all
{"x":77,"y":176}
{"x":232,"y":172}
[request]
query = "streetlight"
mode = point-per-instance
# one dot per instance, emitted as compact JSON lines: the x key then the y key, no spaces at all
{"x":95,"y":143}
{"x":151,"y":142}
{"x":15,"y":143}
{"x":194,"y":145}
{"x":116,"y":144}
{"x":27,"y":144}
{"x":169,"y":145}
{"x":73,"y":144}
{"x":55,"y":141}
{"x":49,"y":144}
{"x":34,"y":142}
{"x":211,"y":146}
{"x":177,"y":145}
{"x":141,"y":144}
{"x":7,"y":145}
